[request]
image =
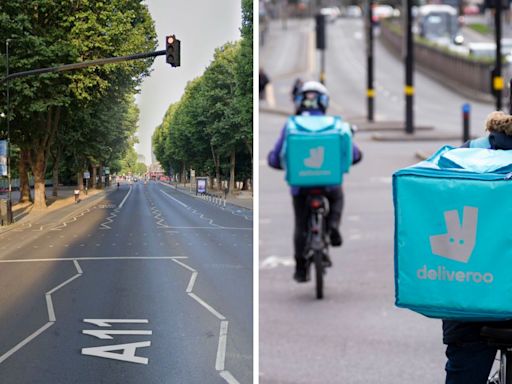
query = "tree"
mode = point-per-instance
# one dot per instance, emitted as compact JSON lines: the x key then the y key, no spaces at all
{"x":48,"y":33}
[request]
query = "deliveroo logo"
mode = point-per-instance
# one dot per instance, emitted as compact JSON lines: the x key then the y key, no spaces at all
{"x":316,"y":158}
{"x":459,"y":240}
{"x":456,"y":244}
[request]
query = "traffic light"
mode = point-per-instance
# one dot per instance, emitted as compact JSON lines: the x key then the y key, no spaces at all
{"x":172,"y":50}
{"x":320,"y":32}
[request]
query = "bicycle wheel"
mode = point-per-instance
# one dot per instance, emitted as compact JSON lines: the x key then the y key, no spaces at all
{"x":318,"y":259}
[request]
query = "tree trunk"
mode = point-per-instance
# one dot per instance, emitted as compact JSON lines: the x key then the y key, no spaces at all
{"x":38,"y":170}
{"x":100,"y":174}
{"x":80,"y":181}
{"x":232,"y":172}
{"x":93,"y":177}
{"x":23,"y":171}
{"x":55,"y":173}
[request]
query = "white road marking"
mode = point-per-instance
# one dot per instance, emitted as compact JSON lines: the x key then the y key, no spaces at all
{"x":276,"y":261}
{"x":105,"y":334}
{"x":51,"y":315}
{"x":270,"y":95}
{"x":109,"y":322}
{"x":226,"y":375}
{"x":97,"y":258}
{"x":25,"y":342}
{"x":191,"y":282}
{"x":128,"y":354}
{"x":221,"y":348}
{"x":207,"y":306}
{"x":128,"y":194}
{"x":173,"y":198}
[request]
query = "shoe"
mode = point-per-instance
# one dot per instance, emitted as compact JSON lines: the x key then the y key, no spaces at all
{"x":301,"y":275}
{"x":335,"y":236}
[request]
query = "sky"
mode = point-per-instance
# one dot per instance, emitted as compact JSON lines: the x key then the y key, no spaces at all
{"x":201,"y":26}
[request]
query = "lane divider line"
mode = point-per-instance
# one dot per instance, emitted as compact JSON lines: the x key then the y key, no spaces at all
{"x":96,"y":258}
{"x":220,"y":359}
{"x":51,"y":315}
{"x":128,"y":194}
{"x":18,"y":346}
{"x":175,"y":199}
{"x":221,"y":348}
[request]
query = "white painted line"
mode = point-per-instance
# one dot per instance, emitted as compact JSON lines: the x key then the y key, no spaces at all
{"x":108,"y":322}
{"x":191,"y":282}
{"x":207,"y":306}
{"x":105,"y":334}
{"x":175,"y":199}
{"x":128,"y":194}
{"x":49,"y":305}
{"x":77,"y":266}
{"x":97,"y":258}
{"x":63,"y":284}
{"x":25,"y":342}
{"x":221,"y":348}
{"x":226,"y":375}
{"x":185,"y":266}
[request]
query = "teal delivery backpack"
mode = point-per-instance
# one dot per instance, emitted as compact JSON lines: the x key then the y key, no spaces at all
{"x":317,"y":150}
{"x":453,"y":235}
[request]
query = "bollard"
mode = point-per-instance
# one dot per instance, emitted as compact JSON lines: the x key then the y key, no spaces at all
{"x":466,"y":110}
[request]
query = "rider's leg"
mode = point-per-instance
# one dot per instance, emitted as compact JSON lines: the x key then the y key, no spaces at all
{"x":299,"y":237}
{"x":469,"y":363}
{"x":336,"y":201}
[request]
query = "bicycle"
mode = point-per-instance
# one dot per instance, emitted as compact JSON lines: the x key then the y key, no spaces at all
{"x":501,"y":338}
{"x":316,"y":251}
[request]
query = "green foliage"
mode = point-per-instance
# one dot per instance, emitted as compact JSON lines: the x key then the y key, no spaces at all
{"x":86,"y":116}
{"x":213,"y":119}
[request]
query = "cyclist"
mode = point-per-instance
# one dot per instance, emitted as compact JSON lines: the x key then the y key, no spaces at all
{"x":470,"y":358}
{"x":312,"y":99}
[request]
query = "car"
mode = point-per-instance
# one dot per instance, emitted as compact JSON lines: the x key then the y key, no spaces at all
{"x":330,"y":13}
{"x":353,"y":11}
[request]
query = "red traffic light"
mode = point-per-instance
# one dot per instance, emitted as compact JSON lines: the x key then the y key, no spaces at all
{"x":170,"y":39}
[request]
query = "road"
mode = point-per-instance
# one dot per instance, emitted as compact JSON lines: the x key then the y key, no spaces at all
{"x":356,"y":334}
{"x":144,"y":285}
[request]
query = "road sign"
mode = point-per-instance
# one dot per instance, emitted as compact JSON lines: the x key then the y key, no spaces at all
{"x":107,"y":171}
{"x":3,"y":157}
{"x":87,"y":175}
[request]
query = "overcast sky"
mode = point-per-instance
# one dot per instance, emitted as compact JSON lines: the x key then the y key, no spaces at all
{"x":202,"y":26}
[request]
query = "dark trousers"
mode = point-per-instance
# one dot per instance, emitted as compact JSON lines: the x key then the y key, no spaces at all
{"x":335,"y":197}
{"x":469,"y":363}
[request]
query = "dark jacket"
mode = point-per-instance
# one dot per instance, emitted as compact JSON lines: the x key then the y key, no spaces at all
{"x":274,"y":156}
{"x":467,"y":331}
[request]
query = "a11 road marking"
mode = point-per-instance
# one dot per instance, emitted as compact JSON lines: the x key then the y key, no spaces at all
{"x":127,"y":351}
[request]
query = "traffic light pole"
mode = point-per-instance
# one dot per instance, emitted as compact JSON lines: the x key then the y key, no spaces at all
{"x":370,"y":91}
{"x":497,"y":81}
{"x":85,"y":64}
{"x":409,"y":66}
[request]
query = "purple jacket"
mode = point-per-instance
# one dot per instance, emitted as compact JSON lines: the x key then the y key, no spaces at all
{"x":274,"y":158}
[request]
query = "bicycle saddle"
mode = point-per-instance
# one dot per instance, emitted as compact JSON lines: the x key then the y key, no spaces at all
{"x":497,"y":335}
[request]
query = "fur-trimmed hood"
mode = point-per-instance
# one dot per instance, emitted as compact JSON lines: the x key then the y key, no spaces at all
{"x":498,"y":121}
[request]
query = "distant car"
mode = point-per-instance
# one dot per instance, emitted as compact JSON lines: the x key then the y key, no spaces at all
{"x":331,"y":13}
{"x":471,"y":9}
{"x":353,"y":11}
{"x":383,"y":11}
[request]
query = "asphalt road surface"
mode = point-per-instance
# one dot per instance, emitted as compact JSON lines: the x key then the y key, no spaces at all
{"x":143,"y":285}
{"x":356,"y":334}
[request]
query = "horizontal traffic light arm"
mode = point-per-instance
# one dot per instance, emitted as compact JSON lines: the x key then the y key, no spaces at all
{"x":84,"y":64}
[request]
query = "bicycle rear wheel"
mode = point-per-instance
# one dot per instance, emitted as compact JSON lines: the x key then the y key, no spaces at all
{"x":318,"y":260}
